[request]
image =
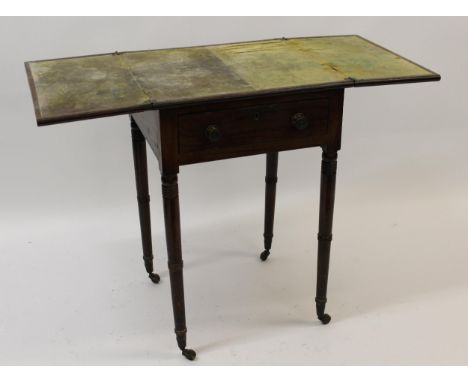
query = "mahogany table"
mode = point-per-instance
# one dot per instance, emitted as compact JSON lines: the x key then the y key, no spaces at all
{"x":215,"y":102}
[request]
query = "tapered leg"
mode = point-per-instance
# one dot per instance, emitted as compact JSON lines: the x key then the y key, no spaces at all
{"x":327,"y":199}
{"x":170,"y":194}
{"x":141,"y":178}
{"x":270,"y":195}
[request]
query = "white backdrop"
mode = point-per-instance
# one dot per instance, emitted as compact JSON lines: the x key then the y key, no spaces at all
{"x":73,"y":289}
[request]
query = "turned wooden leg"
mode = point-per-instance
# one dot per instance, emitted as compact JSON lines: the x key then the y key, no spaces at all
{"x":327,"y":199}
{"x":141,"y":178}
{"x":170,"y":194}
{"x":270,"y":194}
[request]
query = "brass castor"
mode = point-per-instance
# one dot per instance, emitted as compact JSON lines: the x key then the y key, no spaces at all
{"x":325,"y":319}
{"x":189,"y":354}
{"x":264,"y":255}
{"x":154,"y":277}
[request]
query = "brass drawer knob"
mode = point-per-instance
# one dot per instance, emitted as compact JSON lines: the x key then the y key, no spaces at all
{"x":212,"y":133}
{"x":299,"y":121}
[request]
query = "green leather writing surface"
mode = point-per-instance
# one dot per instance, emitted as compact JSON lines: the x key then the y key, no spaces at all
{"x":94,"y":86}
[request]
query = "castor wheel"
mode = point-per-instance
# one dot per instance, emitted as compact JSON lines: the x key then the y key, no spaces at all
{"x":325,"y":319}
{"x":264,"y":255}
{"x":189,"y":354}
{"x":154,"y":277}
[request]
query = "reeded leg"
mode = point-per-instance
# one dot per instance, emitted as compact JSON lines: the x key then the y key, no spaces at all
{"x":170,"y":194}
{"x":327,"y":199}
{"x":270,"y":194}
{"x":141,"y":178}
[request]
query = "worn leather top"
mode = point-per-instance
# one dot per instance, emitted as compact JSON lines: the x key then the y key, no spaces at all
{"x":101,"y":85}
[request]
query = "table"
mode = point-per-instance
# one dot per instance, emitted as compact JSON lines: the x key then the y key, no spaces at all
{"x":215,"y":102}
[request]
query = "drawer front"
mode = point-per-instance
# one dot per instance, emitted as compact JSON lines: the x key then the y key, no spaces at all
{"x":227,"y":133}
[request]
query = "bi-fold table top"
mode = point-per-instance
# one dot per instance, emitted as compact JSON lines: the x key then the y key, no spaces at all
{"x":77,"y":88}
